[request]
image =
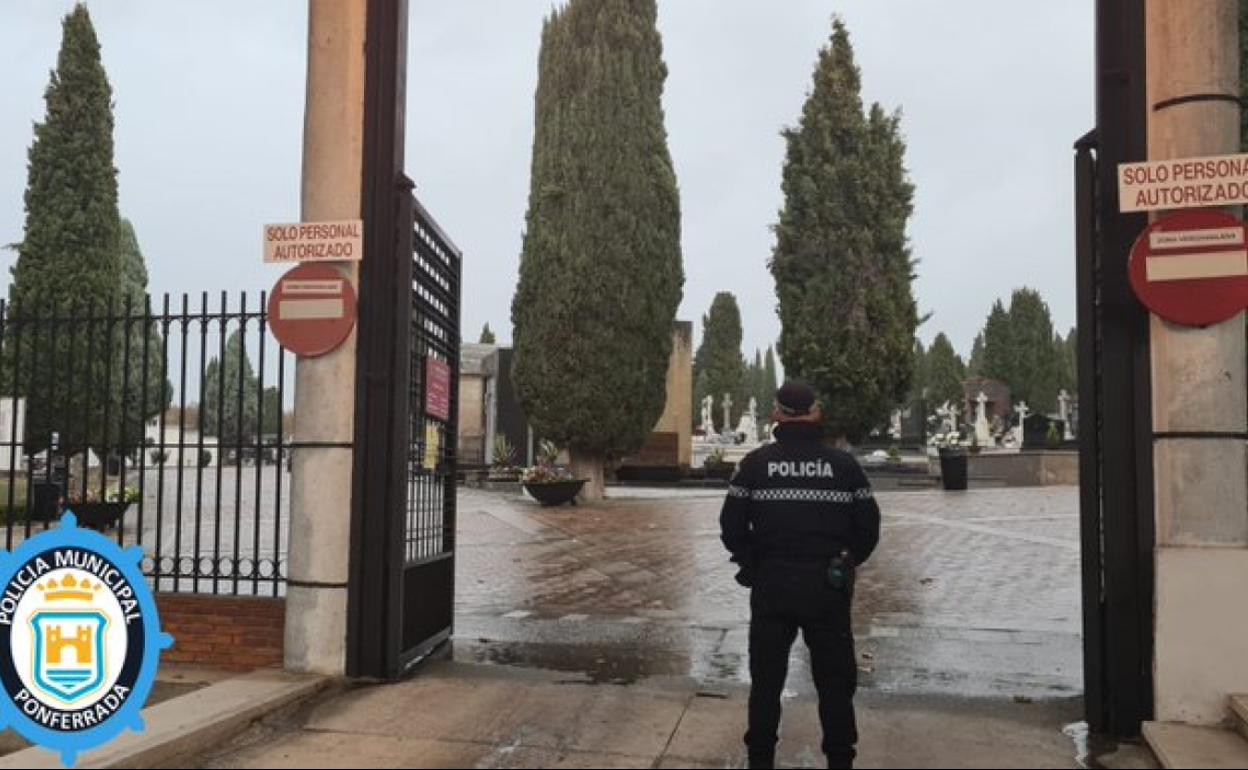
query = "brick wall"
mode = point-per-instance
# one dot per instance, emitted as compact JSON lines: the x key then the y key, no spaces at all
{"x":223,"y":631}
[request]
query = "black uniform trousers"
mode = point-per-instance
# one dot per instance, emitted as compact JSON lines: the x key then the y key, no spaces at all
{"x":784,"y":598}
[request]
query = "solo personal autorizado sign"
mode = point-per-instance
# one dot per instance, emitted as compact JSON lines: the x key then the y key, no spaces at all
{"x":314,"y":242}
{"x":1183,"y":183}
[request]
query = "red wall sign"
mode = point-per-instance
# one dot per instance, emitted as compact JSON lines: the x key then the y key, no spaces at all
{"x":437,"y":389}
{"x":1191,"y":268}
{"x":312,"y":309}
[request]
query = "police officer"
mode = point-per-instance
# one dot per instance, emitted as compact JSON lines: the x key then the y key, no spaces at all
{"x":799,"y":517}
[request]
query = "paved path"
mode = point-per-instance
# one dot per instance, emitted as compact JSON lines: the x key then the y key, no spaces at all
{"x":614,"y":636}
{"x":972,"y":593}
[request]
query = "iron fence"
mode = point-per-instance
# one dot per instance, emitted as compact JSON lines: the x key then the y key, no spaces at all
{"x":166,"y":427}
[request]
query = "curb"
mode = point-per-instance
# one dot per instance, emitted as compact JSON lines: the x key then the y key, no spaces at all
{"x":191,"y":724}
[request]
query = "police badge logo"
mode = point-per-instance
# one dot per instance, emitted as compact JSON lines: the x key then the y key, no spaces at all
{"x":80,"y":640}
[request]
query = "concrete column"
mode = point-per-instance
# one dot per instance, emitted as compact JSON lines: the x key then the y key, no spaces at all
{"x":1198,"y":383}
{"x":320,"y":500}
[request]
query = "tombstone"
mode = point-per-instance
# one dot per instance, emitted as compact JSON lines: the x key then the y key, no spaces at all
{"x":1036,"y":429}
{"x":727,"y":413}
{"x":894,"y":425}
{"x":747,"y":428}
{"x":1017,"y":435}
{"x":1064,"y":412}
{"x":708,"y":419}
{"x":914,"y":424}
{"x":983,"y":431}
{"x":12,"y":433}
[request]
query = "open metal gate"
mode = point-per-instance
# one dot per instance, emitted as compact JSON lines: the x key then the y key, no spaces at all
{"x":400,"y":604}
{"x":403,"y":576}
{"x":1115,"y":419}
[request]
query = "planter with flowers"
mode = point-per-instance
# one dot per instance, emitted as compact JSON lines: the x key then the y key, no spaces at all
{"x":953,"y":461}
{"x":549,"y":483}
{"x":99,"y":513}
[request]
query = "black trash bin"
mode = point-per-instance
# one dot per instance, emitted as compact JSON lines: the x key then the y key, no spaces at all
{"x":45,"y":499}
{"x":953,"y":468}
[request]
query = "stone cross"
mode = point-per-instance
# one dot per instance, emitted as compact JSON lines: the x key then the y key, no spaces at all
{"x":708,"y":410}
{"x":727,"y":412}
{"x":983,"y":432}
{"x":1022,"y":411}
{"x":1063,"y":410}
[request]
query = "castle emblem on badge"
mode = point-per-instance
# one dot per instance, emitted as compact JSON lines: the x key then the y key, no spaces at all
{"x":69,"y":638}
{"x":80,"y":640}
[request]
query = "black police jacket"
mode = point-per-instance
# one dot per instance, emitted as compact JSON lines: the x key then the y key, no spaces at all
{"x":798,"y":499}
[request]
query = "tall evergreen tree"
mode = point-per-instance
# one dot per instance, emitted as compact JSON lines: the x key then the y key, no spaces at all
{"x":1068,"y":361}
{"x":997,"y":361}
{"x":841,"y":262}
{"x":770,"y":381}
{"x":945,"y":372}
{"x":719,"y":358}
{"x":144,"y":354}
{"x":920,"y":383}
{"x":69,"y":260}
{"x":231,"y":398}
{"x":754,"y":379}
{"x":1019,"y":350}
{"x":975,"y":366}
{"x":487,"y":335}
{"x":600,"y":269}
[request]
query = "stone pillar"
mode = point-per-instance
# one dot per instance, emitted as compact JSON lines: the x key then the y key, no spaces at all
{"x":320,"y":500}
{"x":1199,"y":397}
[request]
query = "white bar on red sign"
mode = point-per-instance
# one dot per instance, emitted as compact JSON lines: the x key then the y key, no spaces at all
{"x":309,"y":309}
{"x":306,"y":286}
{"x":1189,"y":239}
{"x":1191,"y":267}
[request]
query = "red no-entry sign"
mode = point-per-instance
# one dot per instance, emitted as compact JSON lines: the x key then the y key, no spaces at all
{"x":312,"y":309}
{"x":1192,"y":268}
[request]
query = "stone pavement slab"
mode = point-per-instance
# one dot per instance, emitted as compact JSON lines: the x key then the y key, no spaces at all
{"x":187,"y":725}
{"x":459,"y":715}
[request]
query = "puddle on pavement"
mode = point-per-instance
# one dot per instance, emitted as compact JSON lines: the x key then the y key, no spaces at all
{"x":615,"y":664}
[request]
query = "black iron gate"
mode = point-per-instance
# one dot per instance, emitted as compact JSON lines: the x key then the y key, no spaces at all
{"x":403,"y":574}
{"x":401,"y":582}
{"x":1115,"y":424}
{"x":428,"y":564}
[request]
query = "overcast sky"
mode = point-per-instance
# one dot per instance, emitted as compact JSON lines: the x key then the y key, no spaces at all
{"x":209,"y":107}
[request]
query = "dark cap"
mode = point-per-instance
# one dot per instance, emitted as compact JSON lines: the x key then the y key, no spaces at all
{"x":795,"y":399}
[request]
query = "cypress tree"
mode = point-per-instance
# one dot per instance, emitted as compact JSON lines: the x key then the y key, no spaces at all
{"x":841,"y":262}
{"x":69,"y":258}
{"x":997,"y":361}
{"x":159,"y":391}
{"x":226,"y":408}
{"x":1019,"y":350}
{"x":921,"y":382}
{"x":600,"y":268}
{"x":945,"y":372}
{"x":770,"y":382}
{"x":758,"y":384}
{"x":975,"y":366}
{"x":487,"y":335}
{"x":719,"y":358}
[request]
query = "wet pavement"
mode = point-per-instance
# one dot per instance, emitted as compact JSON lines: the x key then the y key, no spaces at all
{"x":614,"y":636}
{"x":971,"y":594}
